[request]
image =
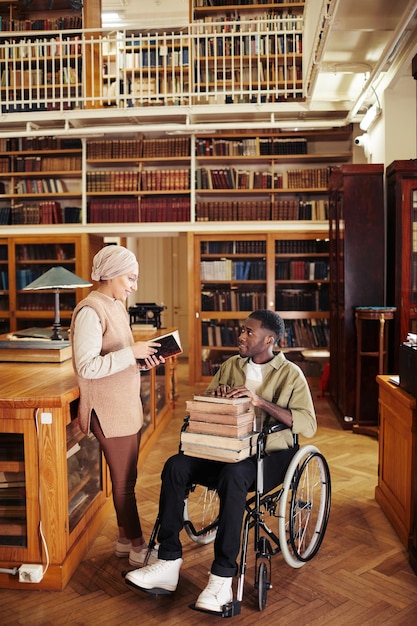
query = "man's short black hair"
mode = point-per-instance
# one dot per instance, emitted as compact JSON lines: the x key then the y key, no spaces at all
{"x":270,"y":320}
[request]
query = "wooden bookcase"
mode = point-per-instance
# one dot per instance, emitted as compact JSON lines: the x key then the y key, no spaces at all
{"x":140,"y":179}
{"x":42,"y":180}
{"x":231,"y":275}
{"x":235,"y":49}
{"x":235,"y":176}
{"x":30,"y":256}
{"x":267,"y":176}
{"x":47,"y":66}
{"x":357,"y":271}
{"x":146,"y":68}
{"x":401,"y":189}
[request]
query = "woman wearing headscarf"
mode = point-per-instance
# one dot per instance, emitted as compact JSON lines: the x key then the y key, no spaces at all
{"x":105,"y":361}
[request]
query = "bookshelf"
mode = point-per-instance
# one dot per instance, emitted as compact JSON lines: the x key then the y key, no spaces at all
{"x":267,"y":176}
{"x":401,"y":191}
{"x":240,"y":273}
{"x":146,"y":69}
{"x":30,"y":256}
{"x":237,"y":48}
{"x":140,"y":180}
{"x":44,"y":67}
{"x":41,"y":180}
{"x":356,"y":279}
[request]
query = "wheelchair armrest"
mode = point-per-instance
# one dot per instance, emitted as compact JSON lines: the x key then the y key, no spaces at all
{"x":270,"y":429}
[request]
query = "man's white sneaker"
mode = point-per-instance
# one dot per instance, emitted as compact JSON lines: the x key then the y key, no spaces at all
{"x":162,"y":576}
{"x":217,"y":593}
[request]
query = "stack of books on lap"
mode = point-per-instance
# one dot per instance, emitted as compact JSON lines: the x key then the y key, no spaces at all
{"x":220,"y":429}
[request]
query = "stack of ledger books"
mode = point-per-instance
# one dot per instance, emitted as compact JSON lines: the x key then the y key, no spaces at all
{"x":220,"y":429}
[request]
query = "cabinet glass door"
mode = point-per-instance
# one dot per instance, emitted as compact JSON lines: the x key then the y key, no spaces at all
{"x":13,"y":523}
{"x":413,"y":260}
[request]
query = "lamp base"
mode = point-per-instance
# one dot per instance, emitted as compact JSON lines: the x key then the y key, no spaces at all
{"x":56,"y":333}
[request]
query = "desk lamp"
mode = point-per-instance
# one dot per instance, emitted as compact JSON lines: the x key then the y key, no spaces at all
{"x":55,"y":279}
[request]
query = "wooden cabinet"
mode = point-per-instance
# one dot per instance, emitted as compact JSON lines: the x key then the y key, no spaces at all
{"x":239,"y":45}
{"x":27,"y":257}
{"x":61,"y":478}
{"x":401,"y":187}
{"x":232,"y":275}
{"x":51,"y":472}
{"x":357,"y":270}
{"x":395,"y":492}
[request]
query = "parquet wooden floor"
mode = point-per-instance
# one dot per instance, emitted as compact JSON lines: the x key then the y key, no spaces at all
{"x":360,"y":576}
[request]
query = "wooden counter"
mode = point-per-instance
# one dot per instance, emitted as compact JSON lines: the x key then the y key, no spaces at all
{"x":52,"y":473}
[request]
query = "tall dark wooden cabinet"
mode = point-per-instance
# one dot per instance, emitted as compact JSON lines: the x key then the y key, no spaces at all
{"x":357,"y":247}
{"x":401,"y":187}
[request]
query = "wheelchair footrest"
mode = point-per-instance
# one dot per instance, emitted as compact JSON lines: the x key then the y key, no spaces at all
{"x":155,"y":591}
{"x":228,"y":610}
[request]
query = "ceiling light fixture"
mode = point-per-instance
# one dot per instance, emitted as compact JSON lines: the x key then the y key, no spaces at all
{"x":370,"y":117}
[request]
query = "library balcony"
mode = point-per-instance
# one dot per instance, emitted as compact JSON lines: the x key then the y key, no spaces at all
{"x":245,"y":69}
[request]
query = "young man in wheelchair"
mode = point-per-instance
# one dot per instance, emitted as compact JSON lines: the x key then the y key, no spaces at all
{"x":279,"y":393}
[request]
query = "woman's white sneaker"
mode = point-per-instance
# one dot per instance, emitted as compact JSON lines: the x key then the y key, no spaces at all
{"x":217,"y":593}
{"x":162,"y":575}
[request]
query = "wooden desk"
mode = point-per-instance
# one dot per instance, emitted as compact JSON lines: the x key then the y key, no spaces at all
{"x":51,"y":472}
{"x":397,"y":457}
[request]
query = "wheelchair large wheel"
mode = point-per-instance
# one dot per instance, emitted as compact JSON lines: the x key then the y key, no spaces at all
{"x":304,"y":506}
{"x":201,"y":514}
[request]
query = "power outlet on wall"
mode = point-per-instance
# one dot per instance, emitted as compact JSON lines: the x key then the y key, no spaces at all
{"x":30,"y":573}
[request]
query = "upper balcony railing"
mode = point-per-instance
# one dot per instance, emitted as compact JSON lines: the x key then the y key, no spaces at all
{"x":216,"y":63}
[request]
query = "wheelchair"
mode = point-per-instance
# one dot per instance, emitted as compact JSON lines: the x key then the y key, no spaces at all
{"x":290,"y":518}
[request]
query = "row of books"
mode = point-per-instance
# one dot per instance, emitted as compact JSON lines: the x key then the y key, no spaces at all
{"x":315,"y":210}
{"x":165,"y":180}
{"x":37,"y":301}
{"x":115,"y":148}
{"x":231,"y":300}
{"x":214,"y":333}
{"x":302,"y":246}
{"x":4,"y":280}
{"x":215,"y":211}
{"x":252,"y":146}
{"x":227,"y":269}
{"x":308,"y":178}
{"x":163,"y":209}
{"x":151,"y":57}
{"x":101,"y":210}
{"x":249,"y":45}
{"x":251,"y":73}
{"x":170,"y":147}
{"x":32,"y":144}
{"x":39,"y":186}
{"x":64,"y":22}
{"x":306,"y":333}
{"x":41,"y":213}
{"x":233,"y":178}
{"x":112,"y":180}
{"x":43,"y":164}
{"x":254,"y":246}
{"x":45,"y":251}
{"x":301,"y":270}
{"x":40,"y":49}
{"x":259,"y":22}
{"x":221,"y":3}
{"x":302,"y":299}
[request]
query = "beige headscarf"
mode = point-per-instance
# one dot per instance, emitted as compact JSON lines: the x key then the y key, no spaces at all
{"x":112,"y":261}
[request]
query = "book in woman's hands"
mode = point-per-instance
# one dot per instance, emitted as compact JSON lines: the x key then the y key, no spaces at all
{"x":170,"y":346}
